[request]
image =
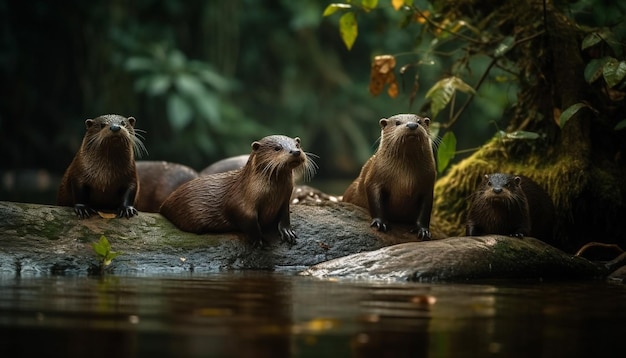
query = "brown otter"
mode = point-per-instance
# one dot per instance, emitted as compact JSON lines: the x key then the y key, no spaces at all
{"x":251,"y":199}
{"x":226,"y":165}
{"x":396,"y":183}
{"x":102,"y":175}
{"x":511,"y":205}
{"x":157,"y":180}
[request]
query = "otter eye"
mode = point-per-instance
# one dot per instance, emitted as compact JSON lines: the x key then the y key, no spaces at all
{"x":123,"y":123}
{"x":489,"y":183}
{"x":278,"y":147}
{"x":102,"y":125}
{"x":398,"y":123}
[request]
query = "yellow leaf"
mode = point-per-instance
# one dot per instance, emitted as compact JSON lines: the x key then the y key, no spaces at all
{"x":107,"y":215}
{"x":397,"y":4}
{"x":348,"y":29}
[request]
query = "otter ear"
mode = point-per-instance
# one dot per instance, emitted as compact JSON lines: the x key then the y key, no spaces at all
{"x":486,"y":177}
{"x":131,"y":120}
{"x":517,"y":180}
{"x":89,"y":123}
{"x":426,"y":121}
{"x":383,"y":123}
{"x":255,"y":145}
{"x":297,"y":139}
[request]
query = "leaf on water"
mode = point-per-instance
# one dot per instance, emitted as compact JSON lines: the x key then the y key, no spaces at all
{"x":446,"y":151}
{"x":567,"y":114}
{"x":348,"y":29}
{"x":333,"y":8}
{"x":382,"y":74}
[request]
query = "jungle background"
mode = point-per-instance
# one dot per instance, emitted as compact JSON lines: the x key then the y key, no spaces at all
{"x":206,"y":78}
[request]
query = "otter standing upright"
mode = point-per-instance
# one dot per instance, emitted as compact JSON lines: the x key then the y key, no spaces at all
{"x":102,"y":175}
{"x":251,"y":199}
{"x":396,"y":184}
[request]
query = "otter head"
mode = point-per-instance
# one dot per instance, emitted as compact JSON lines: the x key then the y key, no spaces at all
{"x":276,"y":154}
{"x":402,"y":129}
{"x":113,"y":128}
{"x":501,"y":187}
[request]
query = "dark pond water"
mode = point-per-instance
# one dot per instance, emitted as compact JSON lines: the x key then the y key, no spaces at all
{"x":251,"y":314}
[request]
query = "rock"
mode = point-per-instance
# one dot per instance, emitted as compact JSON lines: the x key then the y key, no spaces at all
{"x":461,"y":258}
{"x":42,"y":239}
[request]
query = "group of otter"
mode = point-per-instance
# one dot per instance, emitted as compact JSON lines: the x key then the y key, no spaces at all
{"x":251,"y":194}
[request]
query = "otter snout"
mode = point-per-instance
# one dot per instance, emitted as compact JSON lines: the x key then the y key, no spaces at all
{"x":114,"y":128}
{"x":412,"y":125}
{"x":295,"y":153}
{"x":497,"y":190}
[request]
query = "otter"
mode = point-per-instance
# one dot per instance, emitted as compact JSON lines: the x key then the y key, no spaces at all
{"x":513,"y":205}
{"x":157,"y":180}
{"x":226,"y":165}
{"x":102,"y":175}
{"x":251,"y":199}
{"x":396,"y":183}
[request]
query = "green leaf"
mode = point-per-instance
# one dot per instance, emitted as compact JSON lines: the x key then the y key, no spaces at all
{"x":179,"y":112}
{"x":592,"y":39}
{"x":102,"y":247}
{"x":504,"y":46}
{"x":133,"y":64}
{"x":569,"y":112}
{"x":333,"y":8}
{"x":614,"y":72}
{"x":522,"y":135}
{"x":441,"y":93}
{"x":158,"y":84}
{"x":348,"y":29}
{"x":594,"y":69}
{"x":446,"y":151}
{"x":107,"y":260}
{"x":188,"y":85}
{"x":621,"y":125}
{"x":369,"y":5}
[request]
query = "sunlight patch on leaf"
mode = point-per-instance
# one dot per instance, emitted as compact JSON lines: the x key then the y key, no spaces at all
{"x":441,"y":93}
{"x":333,"y":8}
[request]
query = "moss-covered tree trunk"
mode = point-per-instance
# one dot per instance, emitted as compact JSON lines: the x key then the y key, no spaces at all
{"x":580,"y":165}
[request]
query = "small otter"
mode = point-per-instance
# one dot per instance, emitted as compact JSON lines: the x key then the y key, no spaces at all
{"x":511,"y":205}
{"x":396,"y":183}
{"x":102,"y":175}
{"x":226,"y":165}
{"x":251,"y":199}
{"x":157,"y":180}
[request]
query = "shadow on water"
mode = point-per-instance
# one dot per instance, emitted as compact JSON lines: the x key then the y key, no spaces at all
{"x":252,"y":314}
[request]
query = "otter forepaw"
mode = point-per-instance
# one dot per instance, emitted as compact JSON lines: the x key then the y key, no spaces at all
{"x":422,"y":233}
{"x":83,"y":211}
{"x":379,"y":224}
{"x":288,"y":235}
{"x":127,"y":212}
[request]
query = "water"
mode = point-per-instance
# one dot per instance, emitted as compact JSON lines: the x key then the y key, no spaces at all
{"x":256,"y":314}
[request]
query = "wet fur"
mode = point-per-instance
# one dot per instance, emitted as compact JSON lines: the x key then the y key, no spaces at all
{"x":102,"y":175}
{"x":157,"y":180}
{"x":251,"y":199}
{"x":396,"y":183}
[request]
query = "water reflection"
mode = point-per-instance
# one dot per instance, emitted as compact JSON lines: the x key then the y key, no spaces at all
{"x":252,"y":314}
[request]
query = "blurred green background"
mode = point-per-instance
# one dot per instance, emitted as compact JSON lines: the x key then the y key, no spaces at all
{"x":206,"y":78}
